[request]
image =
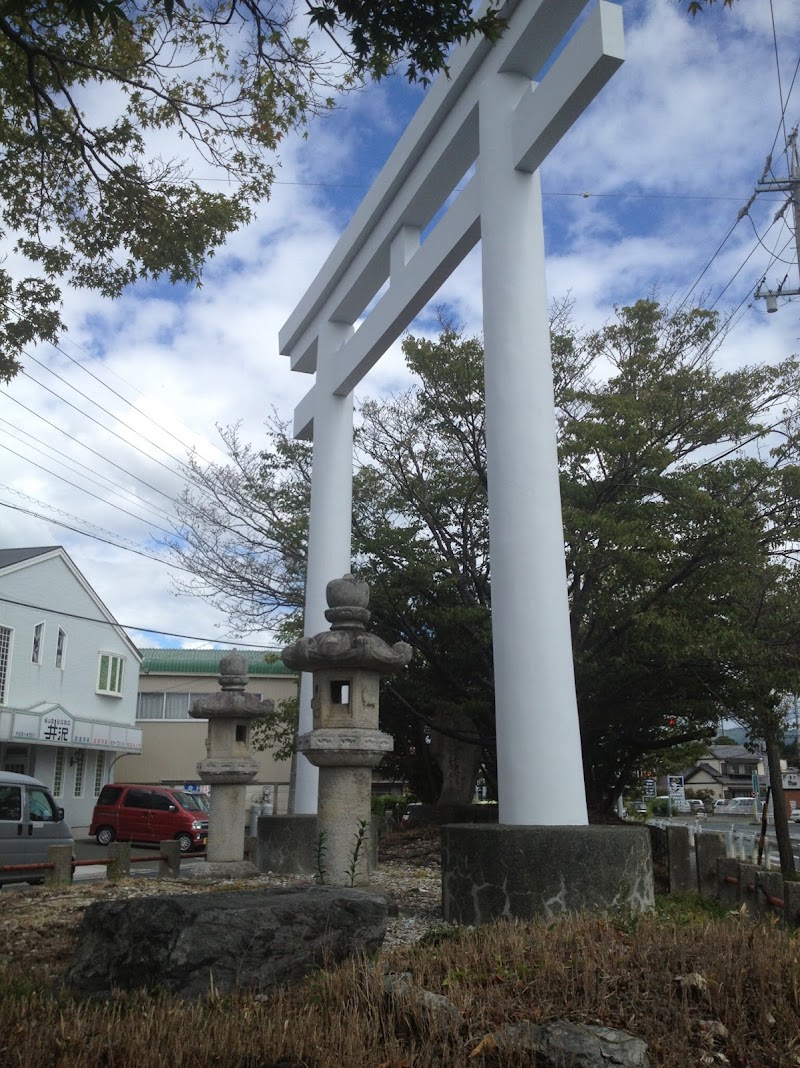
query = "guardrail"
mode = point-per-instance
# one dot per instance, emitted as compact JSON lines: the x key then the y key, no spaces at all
{"x":59,"y":868}
{"x":740,"y":844}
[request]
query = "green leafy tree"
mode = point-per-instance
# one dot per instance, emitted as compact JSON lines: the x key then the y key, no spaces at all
{"x":679,"y":486}
{"x":666,"y":514}
{"x":90,"y":90}
{"x":695,"y":7}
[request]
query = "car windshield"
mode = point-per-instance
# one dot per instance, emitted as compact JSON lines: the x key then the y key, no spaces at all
{"x":194,"y":802}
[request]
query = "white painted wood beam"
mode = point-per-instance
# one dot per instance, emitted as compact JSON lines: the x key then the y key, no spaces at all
{"x":545,"y":114}
{"x":411,"y":288}
{"x":358,"y":266}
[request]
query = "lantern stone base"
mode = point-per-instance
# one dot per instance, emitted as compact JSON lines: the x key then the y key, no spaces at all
{"x":492,"y":872}
{"x":226,"y":837}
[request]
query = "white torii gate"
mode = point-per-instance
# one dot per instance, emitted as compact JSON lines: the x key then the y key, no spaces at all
{"x":491,"y":113}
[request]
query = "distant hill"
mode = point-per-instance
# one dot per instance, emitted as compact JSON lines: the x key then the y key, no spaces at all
{"x":739,"y":735}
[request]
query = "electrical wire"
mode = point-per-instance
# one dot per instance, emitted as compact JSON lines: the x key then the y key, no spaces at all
{"x":775,"y":258}
{"x":145,"y":630}
{"x":778,"y":72}
{"x":82,"y":489}
{"x":111,"y":415}
{"x":107,"y":482}
{"x":10,"y":306}
{"x":125,"y":400}
{"x":68,"y":515}
{"x":83,"y":444}
{"x":108,"y":430}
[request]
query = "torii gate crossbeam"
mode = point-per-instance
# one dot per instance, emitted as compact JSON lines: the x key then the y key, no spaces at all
{"x":490,"y":113}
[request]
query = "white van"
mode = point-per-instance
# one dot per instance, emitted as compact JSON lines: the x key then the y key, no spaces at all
{"x":30,"y":822}
{"x":738,"y":806}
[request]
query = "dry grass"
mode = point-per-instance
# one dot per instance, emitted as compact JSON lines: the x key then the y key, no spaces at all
{"x":619,"y":971}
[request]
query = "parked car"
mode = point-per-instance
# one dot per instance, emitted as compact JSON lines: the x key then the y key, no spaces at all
{"x":408,"y":815}
{"x":30,"y":822}
{"x":738,"y":806}
{"x":133,"y":812}
{"x":796,"y":815}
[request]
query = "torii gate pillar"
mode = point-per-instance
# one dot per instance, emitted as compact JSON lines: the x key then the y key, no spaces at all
{"x":539,"y":768}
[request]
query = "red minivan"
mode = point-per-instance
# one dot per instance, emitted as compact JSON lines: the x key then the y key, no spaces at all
{"x":133,"y":812}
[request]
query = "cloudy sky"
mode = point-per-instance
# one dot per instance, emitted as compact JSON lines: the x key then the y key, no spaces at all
{"x":642,"y":195}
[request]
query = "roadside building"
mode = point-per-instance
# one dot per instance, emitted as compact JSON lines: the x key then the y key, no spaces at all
{"x":726,"y":771}
{"x":68,"y":679}
{"x":173,"y":743}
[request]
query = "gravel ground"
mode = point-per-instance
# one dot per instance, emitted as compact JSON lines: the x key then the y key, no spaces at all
{"x":38,"y":925}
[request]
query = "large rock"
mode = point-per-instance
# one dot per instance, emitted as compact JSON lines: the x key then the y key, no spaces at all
{"x":191,"y":945}
{"x":563,"y":1044}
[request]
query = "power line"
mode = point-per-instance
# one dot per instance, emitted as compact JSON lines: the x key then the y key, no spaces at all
{"x":86,"y":534}
{"x":107,"y":429}
{"x":111,"y":415}
{"x":145,"y":630}
{"x":778,"y":71}
{"x":125,"y":400}
{"x":83,"y":444}
{"x":32,"y":444}
{"x":82,"y":489}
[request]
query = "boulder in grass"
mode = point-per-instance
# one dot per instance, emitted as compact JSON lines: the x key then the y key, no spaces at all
{"x":563,"y":1044}
{"x":192,"y":945}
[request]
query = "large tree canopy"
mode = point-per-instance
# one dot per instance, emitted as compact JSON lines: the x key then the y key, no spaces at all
{"x":680,"y":487}
{"x":91,"y":91}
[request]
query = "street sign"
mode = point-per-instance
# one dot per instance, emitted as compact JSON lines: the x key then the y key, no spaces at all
{"x":675,"y":787}
{"x":649,"y":788}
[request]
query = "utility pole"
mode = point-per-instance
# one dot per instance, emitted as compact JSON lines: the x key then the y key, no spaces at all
{"x":789,"y":185}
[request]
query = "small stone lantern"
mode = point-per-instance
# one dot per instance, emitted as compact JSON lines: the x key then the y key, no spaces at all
{"x":345,"y":743}
{"x":229,"y":765}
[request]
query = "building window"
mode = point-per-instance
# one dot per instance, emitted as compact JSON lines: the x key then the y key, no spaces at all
{"x":176,"y":705}
{"x":5,"y":657}
{"x":61,"y":647}
{"x":38,"y":642}
{"x":58,"y":773}
{"x":166,"y":705}
{"x":150,"y":706}
{"x":109,"y":676}
{"x":80,"y":766}
{"x":16,"y":759}
{"x":99,"y":769}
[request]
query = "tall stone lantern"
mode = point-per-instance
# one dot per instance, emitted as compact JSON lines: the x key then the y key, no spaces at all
{"x":345,"y":742}
{"x":229,"y":765}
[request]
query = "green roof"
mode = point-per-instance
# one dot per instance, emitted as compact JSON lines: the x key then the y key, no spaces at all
{"x":206,"y":661}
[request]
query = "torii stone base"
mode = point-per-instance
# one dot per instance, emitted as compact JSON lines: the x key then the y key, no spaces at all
{"x":493,"y":872}
{"x":288,"y":845}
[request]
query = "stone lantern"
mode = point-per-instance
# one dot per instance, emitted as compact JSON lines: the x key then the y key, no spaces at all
{"x":345,"y":742}
{"x":229,"y":765}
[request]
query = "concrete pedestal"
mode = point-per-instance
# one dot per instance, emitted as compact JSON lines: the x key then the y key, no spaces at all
{"x":344,"y":801}
{"x":226,"y":840}
{"x":509,"y":872}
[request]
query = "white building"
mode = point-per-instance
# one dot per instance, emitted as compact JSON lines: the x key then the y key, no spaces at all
{"x":68,"y":679}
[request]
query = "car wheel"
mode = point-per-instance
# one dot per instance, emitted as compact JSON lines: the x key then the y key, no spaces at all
{"x":105,"y":836}
{"x":185,"y":842}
